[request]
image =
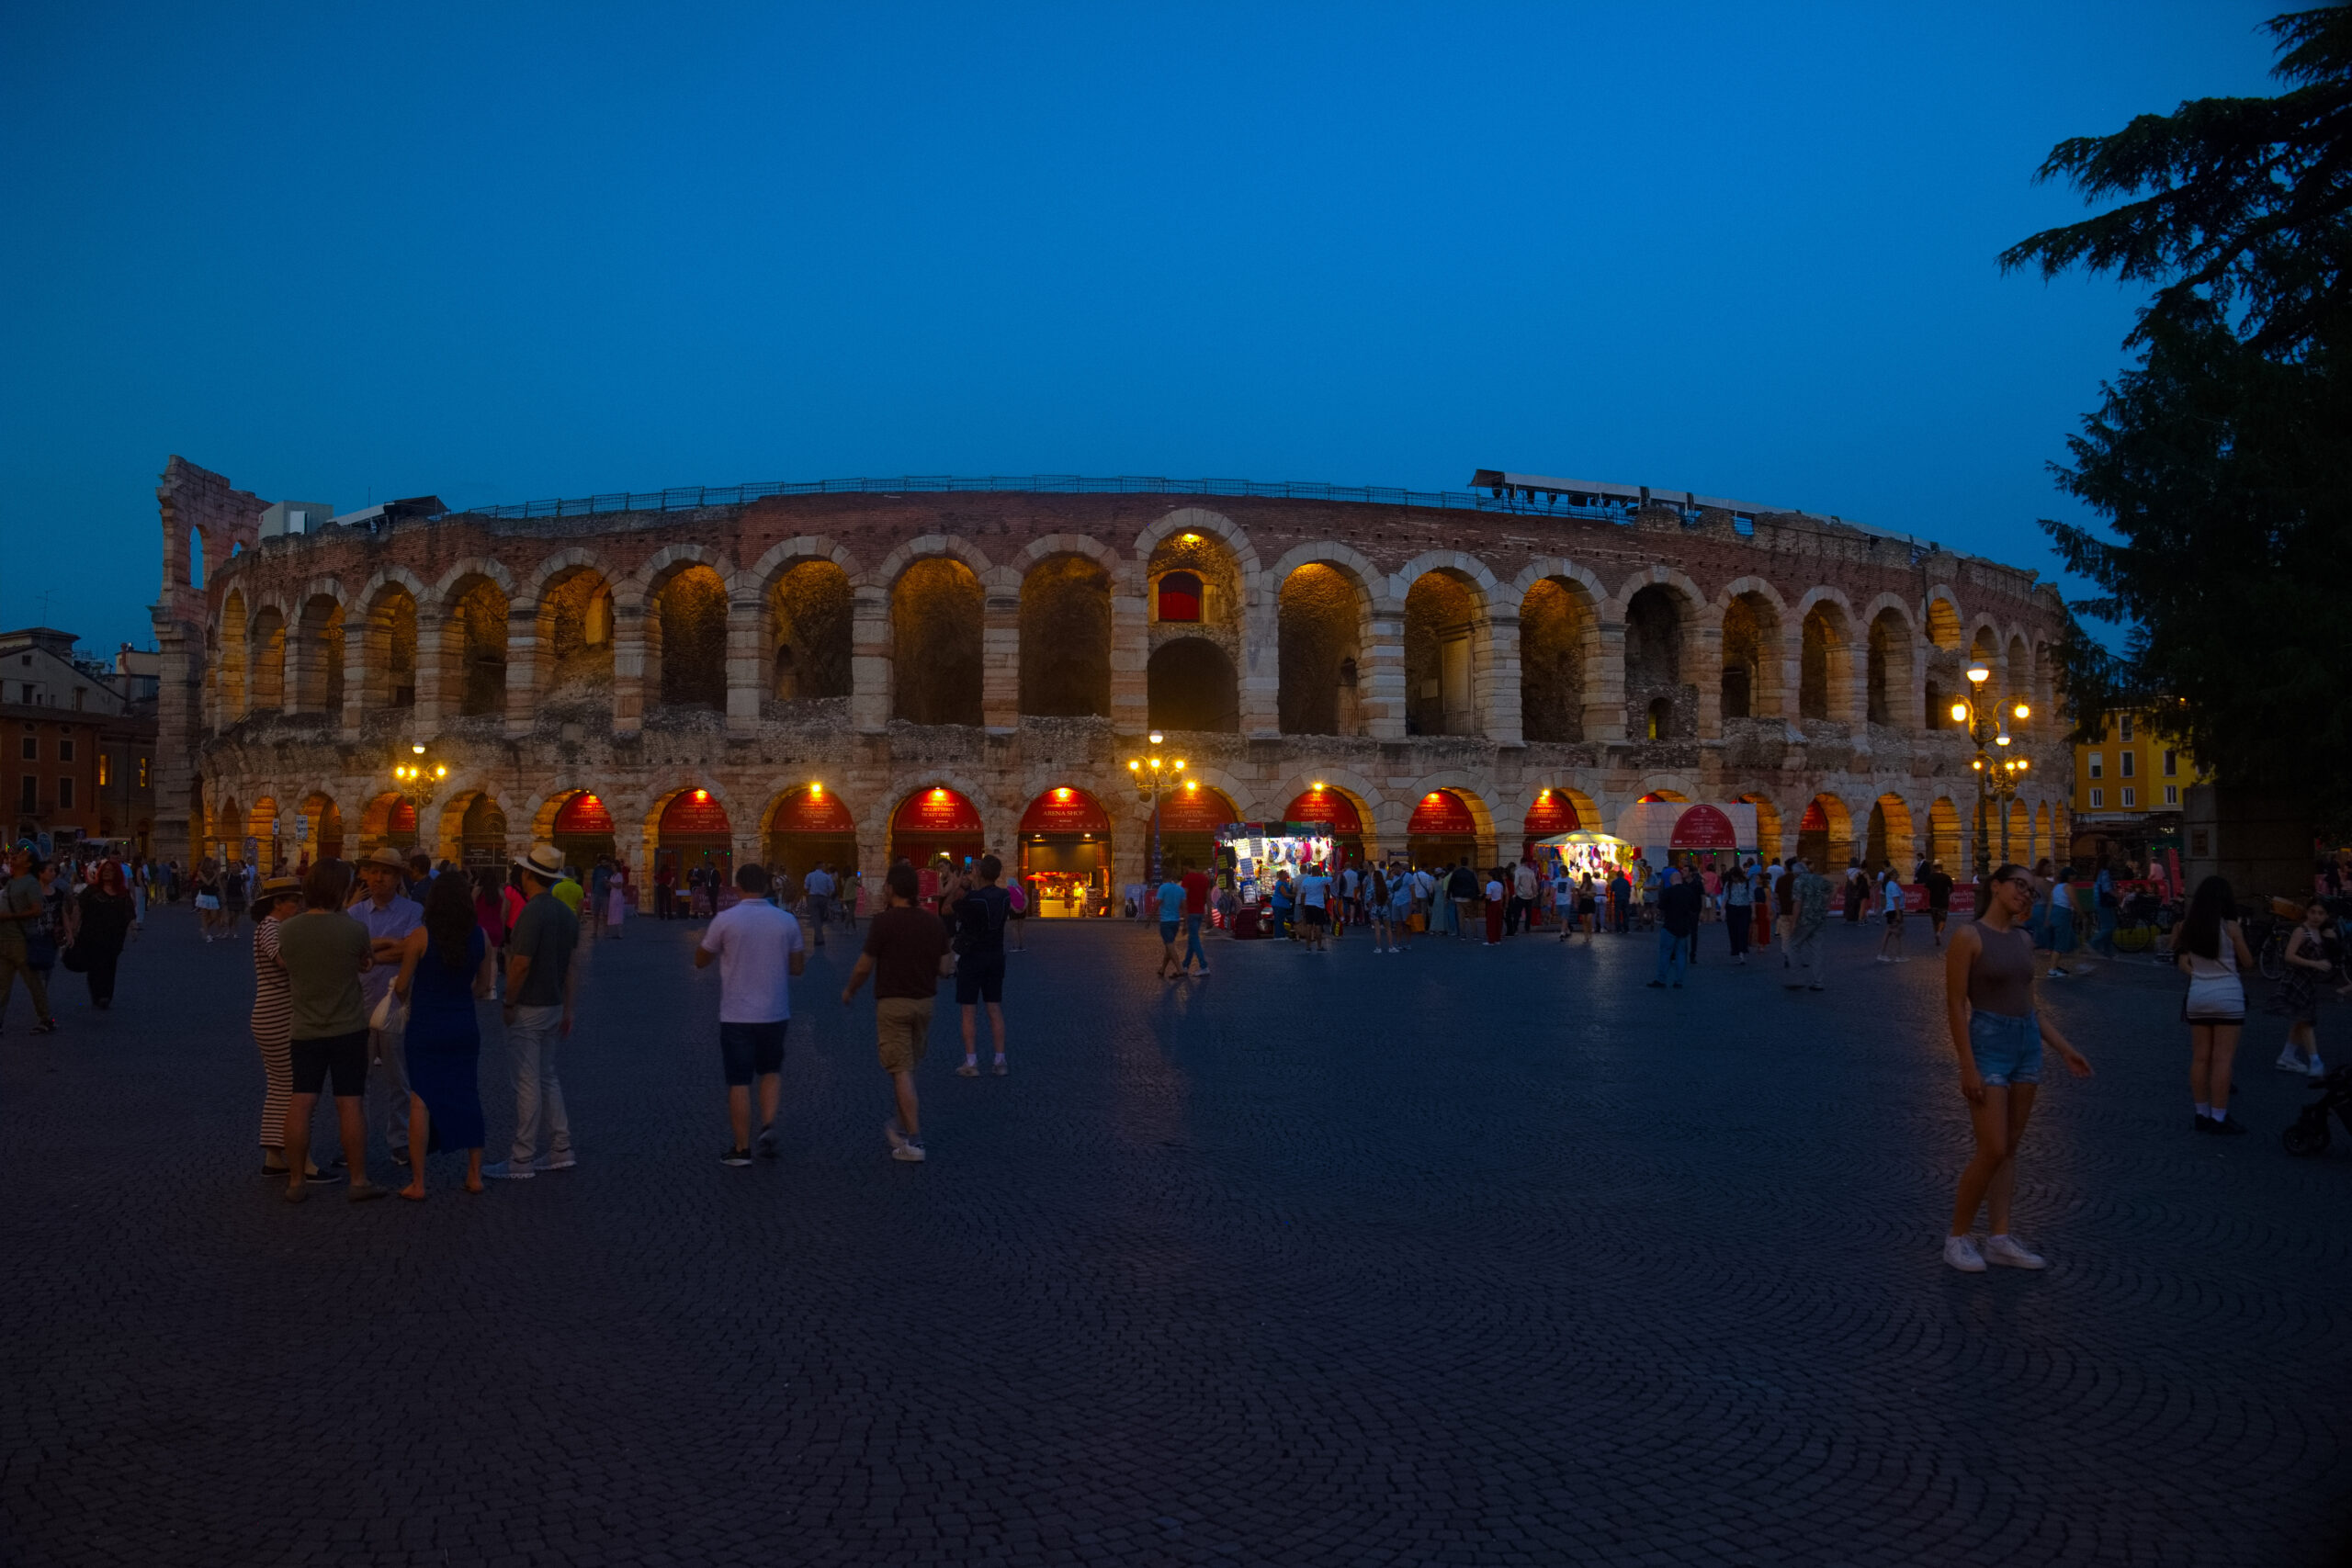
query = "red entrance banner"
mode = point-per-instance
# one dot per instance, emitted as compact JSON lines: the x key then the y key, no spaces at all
{"x":1441,"y":811}
{"x":1196,"y":811}
{"x":1330,"y":808}
{"x":812,"y":811}
{"x":1065,"y":810}
{"x":403,"y":818}
{"x":1552,"y":812}
{"x":1703,"y":827}
{"x":937,"y":810}
{"x":582,"y":817}
{"x":1815,"y":820}
{"x":694,"y":811}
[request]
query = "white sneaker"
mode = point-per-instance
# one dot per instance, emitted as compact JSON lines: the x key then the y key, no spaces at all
{"x":1962,"y":1253}
{"x":890,"y":1131}
{"x":910,"y":1152}
{"x":2004,"y":1251}
{"x":2289,"y":1062}
{"x":1883,"y":958}
{"x":555,"y":1161}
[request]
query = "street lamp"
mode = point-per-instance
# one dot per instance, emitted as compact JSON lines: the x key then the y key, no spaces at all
{"x":1999,"y":773}
{"x":416,"y":777}
{"x":1155,"y":777}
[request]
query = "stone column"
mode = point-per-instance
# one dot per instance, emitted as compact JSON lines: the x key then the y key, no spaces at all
{"x":628,"y":671}
{"x":357,"y":673}
{"x":526,"y":673}
{"x":179,"y":713}
{"x":1604,"y":684}
{"x":1706,"y":655}
{"x":746,"y":620}
{"x":871,"y":654}
{"x":432,"y":673}
{"x":1380,"y":676}
{"x":1131,"y":663}
{"x":1261,"y":672}
{"x":1001,"y":661}
{"x":1498,"y":681}
{"x":1788,"y":659}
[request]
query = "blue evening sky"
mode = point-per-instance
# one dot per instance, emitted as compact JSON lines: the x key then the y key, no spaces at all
{"x":500,"y":251}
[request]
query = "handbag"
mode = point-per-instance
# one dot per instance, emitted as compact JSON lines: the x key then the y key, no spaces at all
{"x":77,"y":959}
{"x":391,"y":1016}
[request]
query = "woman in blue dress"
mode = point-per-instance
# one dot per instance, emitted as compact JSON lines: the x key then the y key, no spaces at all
{"x":444,"y":969}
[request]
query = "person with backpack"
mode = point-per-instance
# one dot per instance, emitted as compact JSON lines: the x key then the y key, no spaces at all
{"x":982,"y":912}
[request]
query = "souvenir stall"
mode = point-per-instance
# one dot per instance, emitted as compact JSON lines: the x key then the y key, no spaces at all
{"x":1262,"y":851}
{"x":1331,"y":813}
{"x":1066,"y":854}
{"x":1593,"y":855}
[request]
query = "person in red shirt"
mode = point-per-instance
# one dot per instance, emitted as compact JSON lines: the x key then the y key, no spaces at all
{"x":1196,"y":887}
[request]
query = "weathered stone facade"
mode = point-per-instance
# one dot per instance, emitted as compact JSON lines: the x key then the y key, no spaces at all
{"x":1003,"y":643}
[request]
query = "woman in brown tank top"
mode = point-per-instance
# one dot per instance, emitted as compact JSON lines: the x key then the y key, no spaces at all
{"x":1998,"y":1037}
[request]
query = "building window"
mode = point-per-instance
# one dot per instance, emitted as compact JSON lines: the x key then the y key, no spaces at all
{"x":2131,"y":796}
{"x":2124,"y":764}
{"x":2099,"y":798}
{"x":65,"y":750}
{"x":2172,"y":794}
{"x":28,"y":794}
{"x":2099,"y":764}
{"x":1180,"y":597}
{"x":142,"y":773}
{"x":106,"y":773}
{"x":2127,"y":729}
{"x":31,"y":748}
{"x":65,"y":792}
{"x":2172,"y":763}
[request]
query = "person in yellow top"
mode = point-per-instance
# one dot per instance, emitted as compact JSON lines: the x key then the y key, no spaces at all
{"x":568,"y":892}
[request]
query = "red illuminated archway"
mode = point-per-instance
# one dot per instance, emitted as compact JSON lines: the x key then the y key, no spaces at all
{"x":934,"y":822}
{"x":810,"y":827}
{"x":1336,"y":814}
{"x":1441,"y":830}
{"x":581,"y":831}
{"x":1066,"y":853}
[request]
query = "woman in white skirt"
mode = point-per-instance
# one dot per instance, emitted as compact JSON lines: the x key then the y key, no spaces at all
{"x":2211,"y":950}
{"x":615,"y":900}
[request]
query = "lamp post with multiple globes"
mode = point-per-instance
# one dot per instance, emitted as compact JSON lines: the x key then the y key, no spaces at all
{"x":1154,"y":778}
{"x":416,"y":777}
{"x":1998,"y":770}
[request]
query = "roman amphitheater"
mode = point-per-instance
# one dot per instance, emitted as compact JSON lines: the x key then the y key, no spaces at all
{"x":854,"y":672}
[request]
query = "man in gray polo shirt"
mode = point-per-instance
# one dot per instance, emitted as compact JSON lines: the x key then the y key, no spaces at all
{"x":539,"y":982}
{"x":389,"y":916}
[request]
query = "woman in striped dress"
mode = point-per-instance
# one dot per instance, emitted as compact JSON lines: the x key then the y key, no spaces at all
{"x":274,"y":1022}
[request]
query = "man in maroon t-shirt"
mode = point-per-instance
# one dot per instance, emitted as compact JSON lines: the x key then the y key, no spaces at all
{"x":1196,"y":887}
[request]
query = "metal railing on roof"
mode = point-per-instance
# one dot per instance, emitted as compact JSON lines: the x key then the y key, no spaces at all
{"x":689,"y":498}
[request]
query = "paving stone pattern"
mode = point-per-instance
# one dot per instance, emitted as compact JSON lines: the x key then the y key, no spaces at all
{"x":1463,"y":1257}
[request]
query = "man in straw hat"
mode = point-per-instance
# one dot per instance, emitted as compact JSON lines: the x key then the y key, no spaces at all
{"x":389,"y":915}
{"x":540,"y":983}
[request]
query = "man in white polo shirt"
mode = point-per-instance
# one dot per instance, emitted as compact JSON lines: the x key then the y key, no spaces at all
{"x":759,"y":950}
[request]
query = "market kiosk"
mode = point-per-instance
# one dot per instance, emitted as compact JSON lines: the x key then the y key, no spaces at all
{"x":1585,"y":853}
{"x":1260,"y":852}
{"x":1066,"y":854}
{"x":1336,"y":815}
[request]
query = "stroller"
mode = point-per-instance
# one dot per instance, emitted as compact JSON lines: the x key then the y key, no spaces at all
{"x":2307,"y":1135}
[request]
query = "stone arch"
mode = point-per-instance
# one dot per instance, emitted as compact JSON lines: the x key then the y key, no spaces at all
{"x":1066,"y":631}
{"x":234,"y":665}
{"x":265,"y":661}
{"x":1199,"y":520}
{"x":1660,"y":612}
{"x":571,"y":596}
{"x":1492,"y":838}
{"x":874,"y":828}
{"x":1826,"y":834}
{"x":1754,"y":619}
{"x":1323,"y":617}
{"x":389,"y":605}
{"x":938,"y":619}
{"x":1448,"y":648}
{"x":472,"y":642}
{"x":315,"y":664}
{"x":1383,"y":824}
{"x":1888,"y":838}
{"x":931,"y":547}
{"x":1769,"y":844}
{"x":1825,"y":678}
{"x":637,"y":589}
{"x":684,"y":628}
{"x":1890,"y":673}
{"x":1943,"y":834}
{"x":1191,"y":684}
{"x":810,"y":605}
{"x":1559,"y":648}
{"x":1942,"y":624}
{"x":455,"y":582}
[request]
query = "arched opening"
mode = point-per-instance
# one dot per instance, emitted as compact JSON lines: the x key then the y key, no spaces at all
{"x":1751,"y":642}
{"x":692,"y":834}
{"x":809,"y":612}
{"x":1825,"y":835}
{"x":1825,"y":667}
{"x":266,"y":650}
{"x":1943,"y":624}
{"x":935,"y":825}
{"x":1768,"y":826}
{"x":234,"y":665}
{"x":196,"y":557}
{"x":481,"y":835}
{"x":1888,"y":840}
{"x":1937,"y":711}
{"x":1066,"y":639}
{"x":1319,"y":626}
{"x":685,"y":639}
{"x":473,"y":642}
{"x":1177,"y":597}
{"x":1190,"y":684}
{"x":392,"y":650}
{"x":1335,"y":811}
{"x":1441,"y":830}
{"x":318,"y":655}
{"x":810,"y":827}
{"x":1066,"y":852}
{"x":389,"y":821}
{"x":1441,"y":612}
{"x":1654,"y":668}
{"x":1557,"y":811}
{"x":1943,"y":835}
{"x":1555,"y":637}
{"x":319,"y":830}
{"x":261,"y":826}
{"x":229,"y":833}
{"x":1985,"y":649}
{"x":581,"y":830}
{"x":1889,"y":675}
{"x":1189,"y":821}
{"x":937,"y":611}
{"x":575,"y":633}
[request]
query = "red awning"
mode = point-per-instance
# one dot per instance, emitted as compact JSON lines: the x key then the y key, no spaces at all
{"x":1552,"y":812}
{"x":1065,"y":809}
{"x":1442,"y":812}
{"x":584,"y":816}
{"x":1328,"y":806}
{"x":937,"y":810}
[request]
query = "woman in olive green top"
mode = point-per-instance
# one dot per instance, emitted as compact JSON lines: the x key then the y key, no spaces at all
{"x":324,"y":951}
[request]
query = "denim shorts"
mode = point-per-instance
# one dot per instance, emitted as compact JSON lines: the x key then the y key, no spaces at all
{"x":747,"y":1051}
{"x":2007,"y":1050}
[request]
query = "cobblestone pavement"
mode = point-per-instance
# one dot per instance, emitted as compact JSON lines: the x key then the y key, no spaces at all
{"x":1462,"y":1256}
